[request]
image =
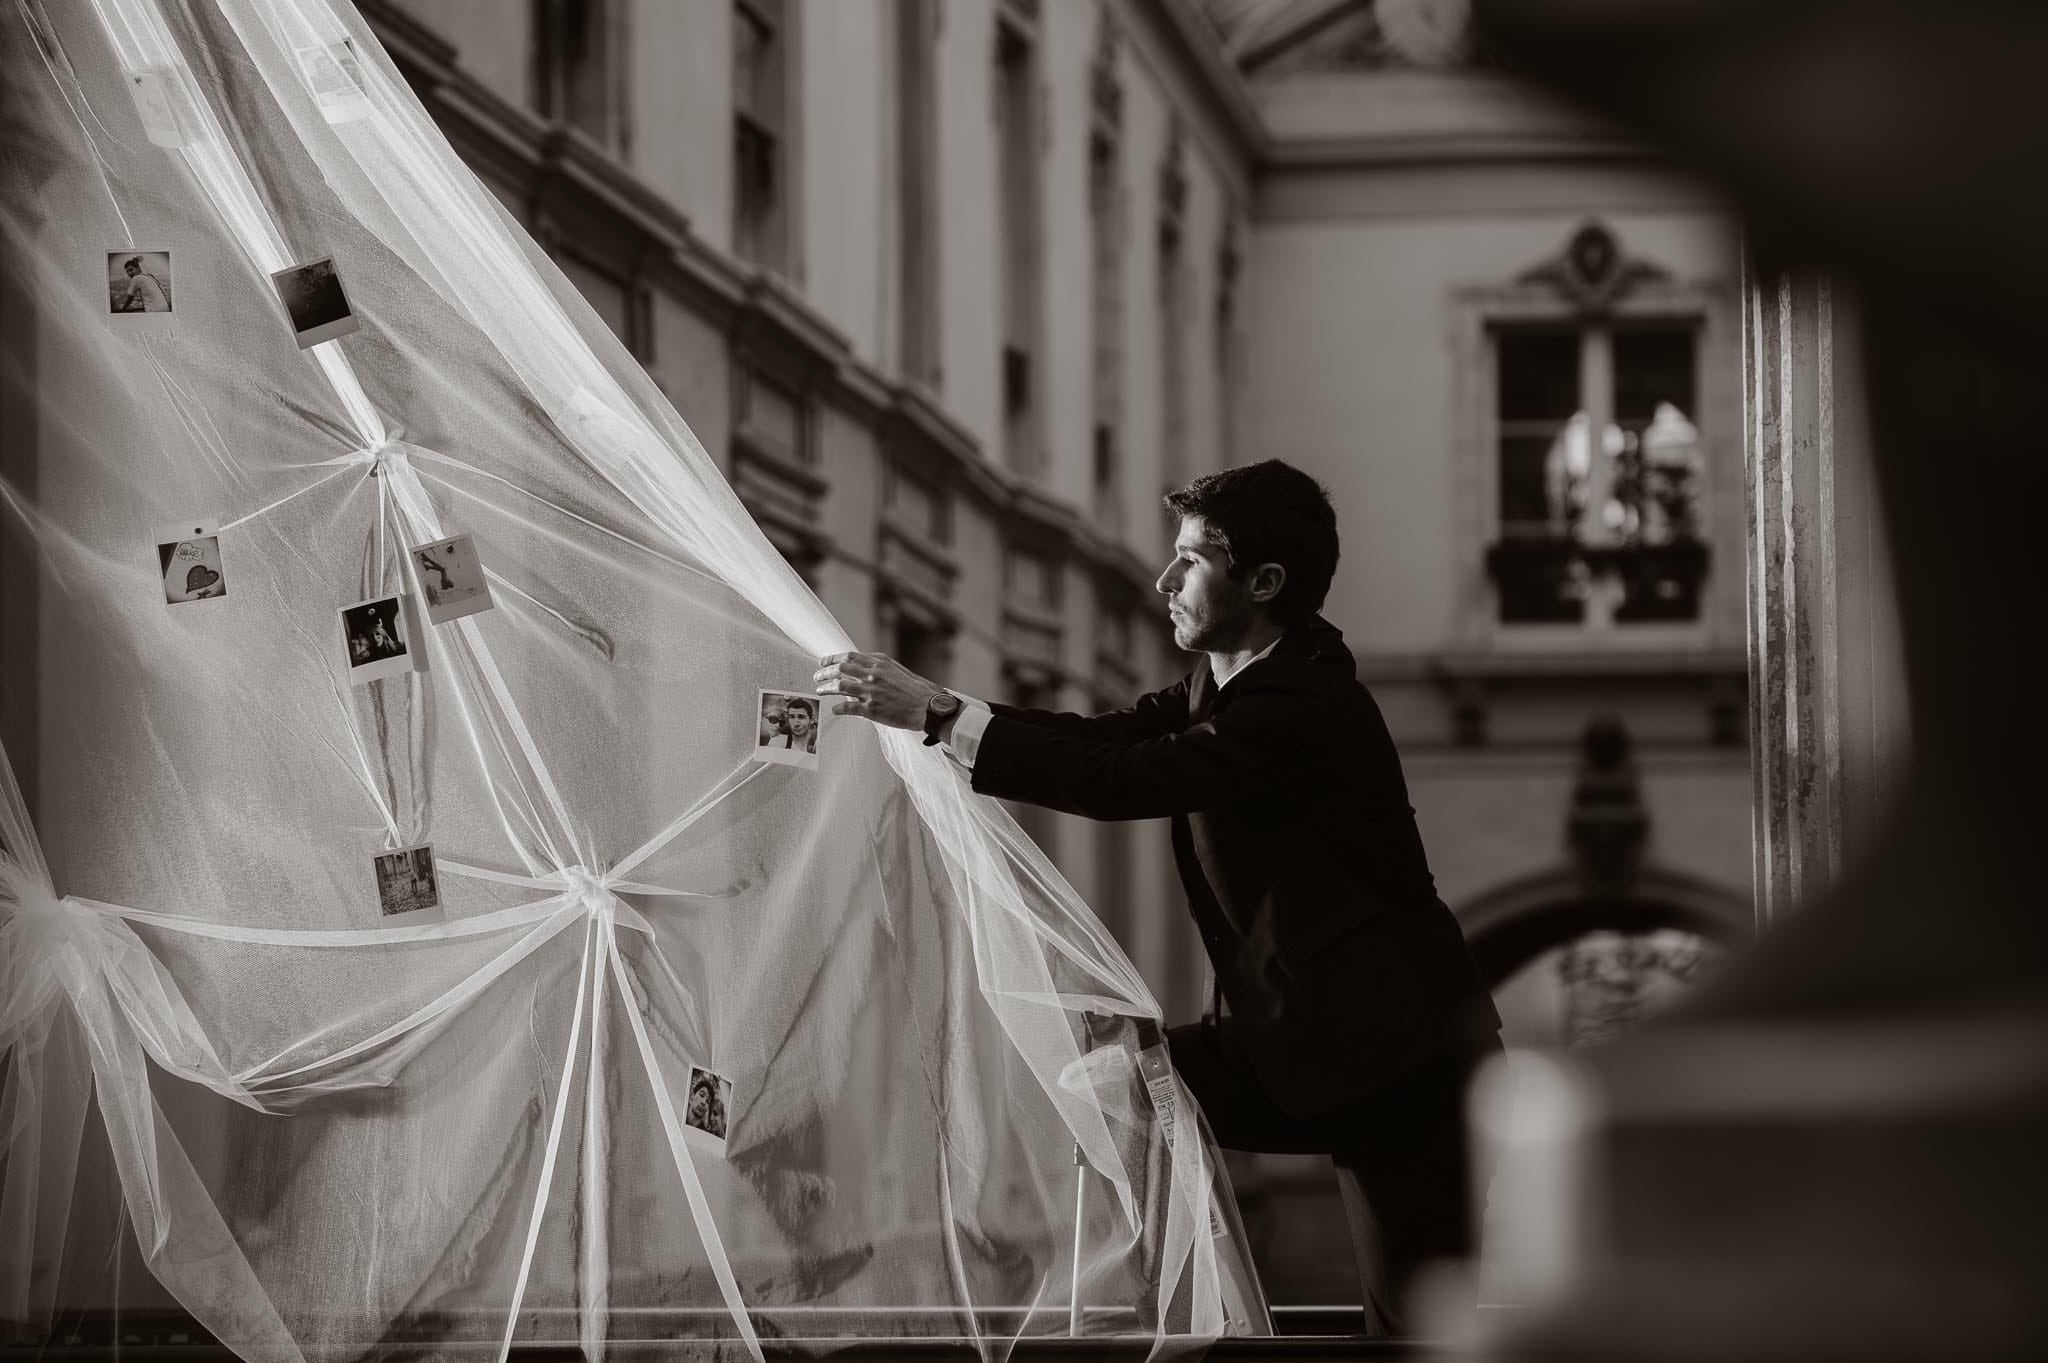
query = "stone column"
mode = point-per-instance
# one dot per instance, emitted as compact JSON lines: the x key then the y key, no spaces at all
{"x":1826,"y":677}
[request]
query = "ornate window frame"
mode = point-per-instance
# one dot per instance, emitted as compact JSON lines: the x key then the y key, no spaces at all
{"x":1593,"y":280}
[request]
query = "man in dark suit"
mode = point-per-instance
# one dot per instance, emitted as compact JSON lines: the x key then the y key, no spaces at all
{"x":1350,"y":1015}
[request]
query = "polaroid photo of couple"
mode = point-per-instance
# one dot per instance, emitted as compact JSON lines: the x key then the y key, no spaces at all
{"x":707,"y":1111}
{"x":788,"y":730}
{"x":451,"y":578}
{"x":188,"y":557}
{"x":380,"y":638}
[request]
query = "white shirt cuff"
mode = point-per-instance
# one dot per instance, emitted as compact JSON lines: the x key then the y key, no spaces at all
{"x":965,"y":741}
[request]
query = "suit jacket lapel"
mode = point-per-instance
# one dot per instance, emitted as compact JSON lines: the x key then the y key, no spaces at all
{"x":1202,"y":693}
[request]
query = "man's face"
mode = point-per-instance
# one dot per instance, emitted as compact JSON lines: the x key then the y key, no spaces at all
{"x":1212,"y":612}
{"x":131,"y":267}
{"x":798,"y":719}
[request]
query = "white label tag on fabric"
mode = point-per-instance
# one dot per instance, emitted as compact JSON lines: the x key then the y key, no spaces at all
{"x":1159,"y":1085}
{"x":160,"y":99}
{"x":1163,"y":1105}
{"x":1157,"y":1072}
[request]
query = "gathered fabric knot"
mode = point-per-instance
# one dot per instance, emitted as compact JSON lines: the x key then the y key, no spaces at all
{"x":391,"y":449}
{"x":35,"y":925}
{"x":586,"y":887}
{"x":597,"y":895}
{"x":27,"y":897}
{"x":379,"y":456}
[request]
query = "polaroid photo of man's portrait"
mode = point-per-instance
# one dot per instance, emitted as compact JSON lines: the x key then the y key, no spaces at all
{"x":788,"y":729}
{"x":407,"y":889}
{"x":334,"y":74}
{"x":188,"y":557}
{"x":451,"y":578}
{"x":707,"y":1109}
{"x":139,"y":296}
{"x":315,"y":301}
{"x":376,"y":641}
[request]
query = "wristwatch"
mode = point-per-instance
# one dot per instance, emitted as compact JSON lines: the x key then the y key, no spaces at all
{"x":940,"y":708}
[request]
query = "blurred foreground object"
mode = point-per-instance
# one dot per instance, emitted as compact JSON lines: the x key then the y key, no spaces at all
{"x":1833,"y":1150}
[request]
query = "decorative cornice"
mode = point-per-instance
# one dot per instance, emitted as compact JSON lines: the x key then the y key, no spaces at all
{"x":1041,"y":521}
{"x":1436,"y":150}
{"x":1577,"y":665}
{"x":1216,"y":76}
{"x":777,"y":331}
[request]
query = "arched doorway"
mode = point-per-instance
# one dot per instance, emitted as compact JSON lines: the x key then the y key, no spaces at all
{"x":1571,"y":962}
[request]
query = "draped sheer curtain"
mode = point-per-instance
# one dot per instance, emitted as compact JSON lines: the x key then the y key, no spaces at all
{"x":947,"y":1108}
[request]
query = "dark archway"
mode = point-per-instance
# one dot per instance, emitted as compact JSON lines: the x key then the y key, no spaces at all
{"x":1513,"y":924}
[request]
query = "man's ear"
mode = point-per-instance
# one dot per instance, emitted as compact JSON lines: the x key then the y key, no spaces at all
{"x":1267,"y":580}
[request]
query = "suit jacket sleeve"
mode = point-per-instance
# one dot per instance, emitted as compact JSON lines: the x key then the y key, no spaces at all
{"x":1150,"y":716}
{"x":1267,"y":744}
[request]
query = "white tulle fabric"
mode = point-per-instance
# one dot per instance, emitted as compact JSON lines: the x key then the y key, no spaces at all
{"x":322,"y":1133}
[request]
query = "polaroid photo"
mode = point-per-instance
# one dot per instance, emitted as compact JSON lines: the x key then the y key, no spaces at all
{"x":787,"y":733}
{"x":188,"y":557}
{"x":707,"y":1110}
{"x":168,"y":119}
{"x":334,"y":73}
{"x":139,"y":291}
{"x":408,"y":891}
{"x":378,"y":640}
{"x":313,"y":297}
{"x":451,"y":578}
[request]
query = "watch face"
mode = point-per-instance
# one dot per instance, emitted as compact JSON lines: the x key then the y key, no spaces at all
{"x":945,"y":703}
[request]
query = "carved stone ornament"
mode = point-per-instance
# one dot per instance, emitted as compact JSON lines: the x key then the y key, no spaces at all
{"x":1592,"y":271}
{"x":1608,"y":824}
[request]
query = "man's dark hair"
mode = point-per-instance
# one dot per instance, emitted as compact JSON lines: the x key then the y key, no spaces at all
{"x":1269,"y":512}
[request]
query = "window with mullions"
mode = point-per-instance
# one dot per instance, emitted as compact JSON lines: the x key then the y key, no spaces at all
{"x":1018,"y":145}
{"x":1107,"y":280}
{"x":579,"y":77}
{"x":1600,"y":469}
{"x":760,"y":121}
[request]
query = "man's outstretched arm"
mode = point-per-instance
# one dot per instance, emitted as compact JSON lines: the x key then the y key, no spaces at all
{"x":1266,"y":748}
{"x":876,"y":687}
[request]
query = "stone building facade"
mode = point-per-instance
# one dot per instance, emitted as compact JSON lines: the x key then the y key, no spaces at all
{"x":954,"y":289}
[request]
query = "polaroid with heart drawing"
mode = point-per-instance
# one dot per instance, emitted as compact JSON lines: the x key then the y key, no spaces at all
{"x":188,"y":557}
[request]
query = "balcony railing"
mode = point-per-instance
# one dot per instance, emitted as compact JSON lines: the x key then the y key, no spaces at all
{"x":1547,"y":578}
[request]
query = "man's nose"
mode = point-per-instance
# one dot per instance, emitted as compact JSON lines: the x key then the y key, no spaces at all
{"x":1164,"y":586}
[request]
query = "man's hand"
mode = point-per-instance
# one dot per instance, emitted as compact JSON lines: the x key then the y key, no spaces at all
{"x":877,"y":687}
